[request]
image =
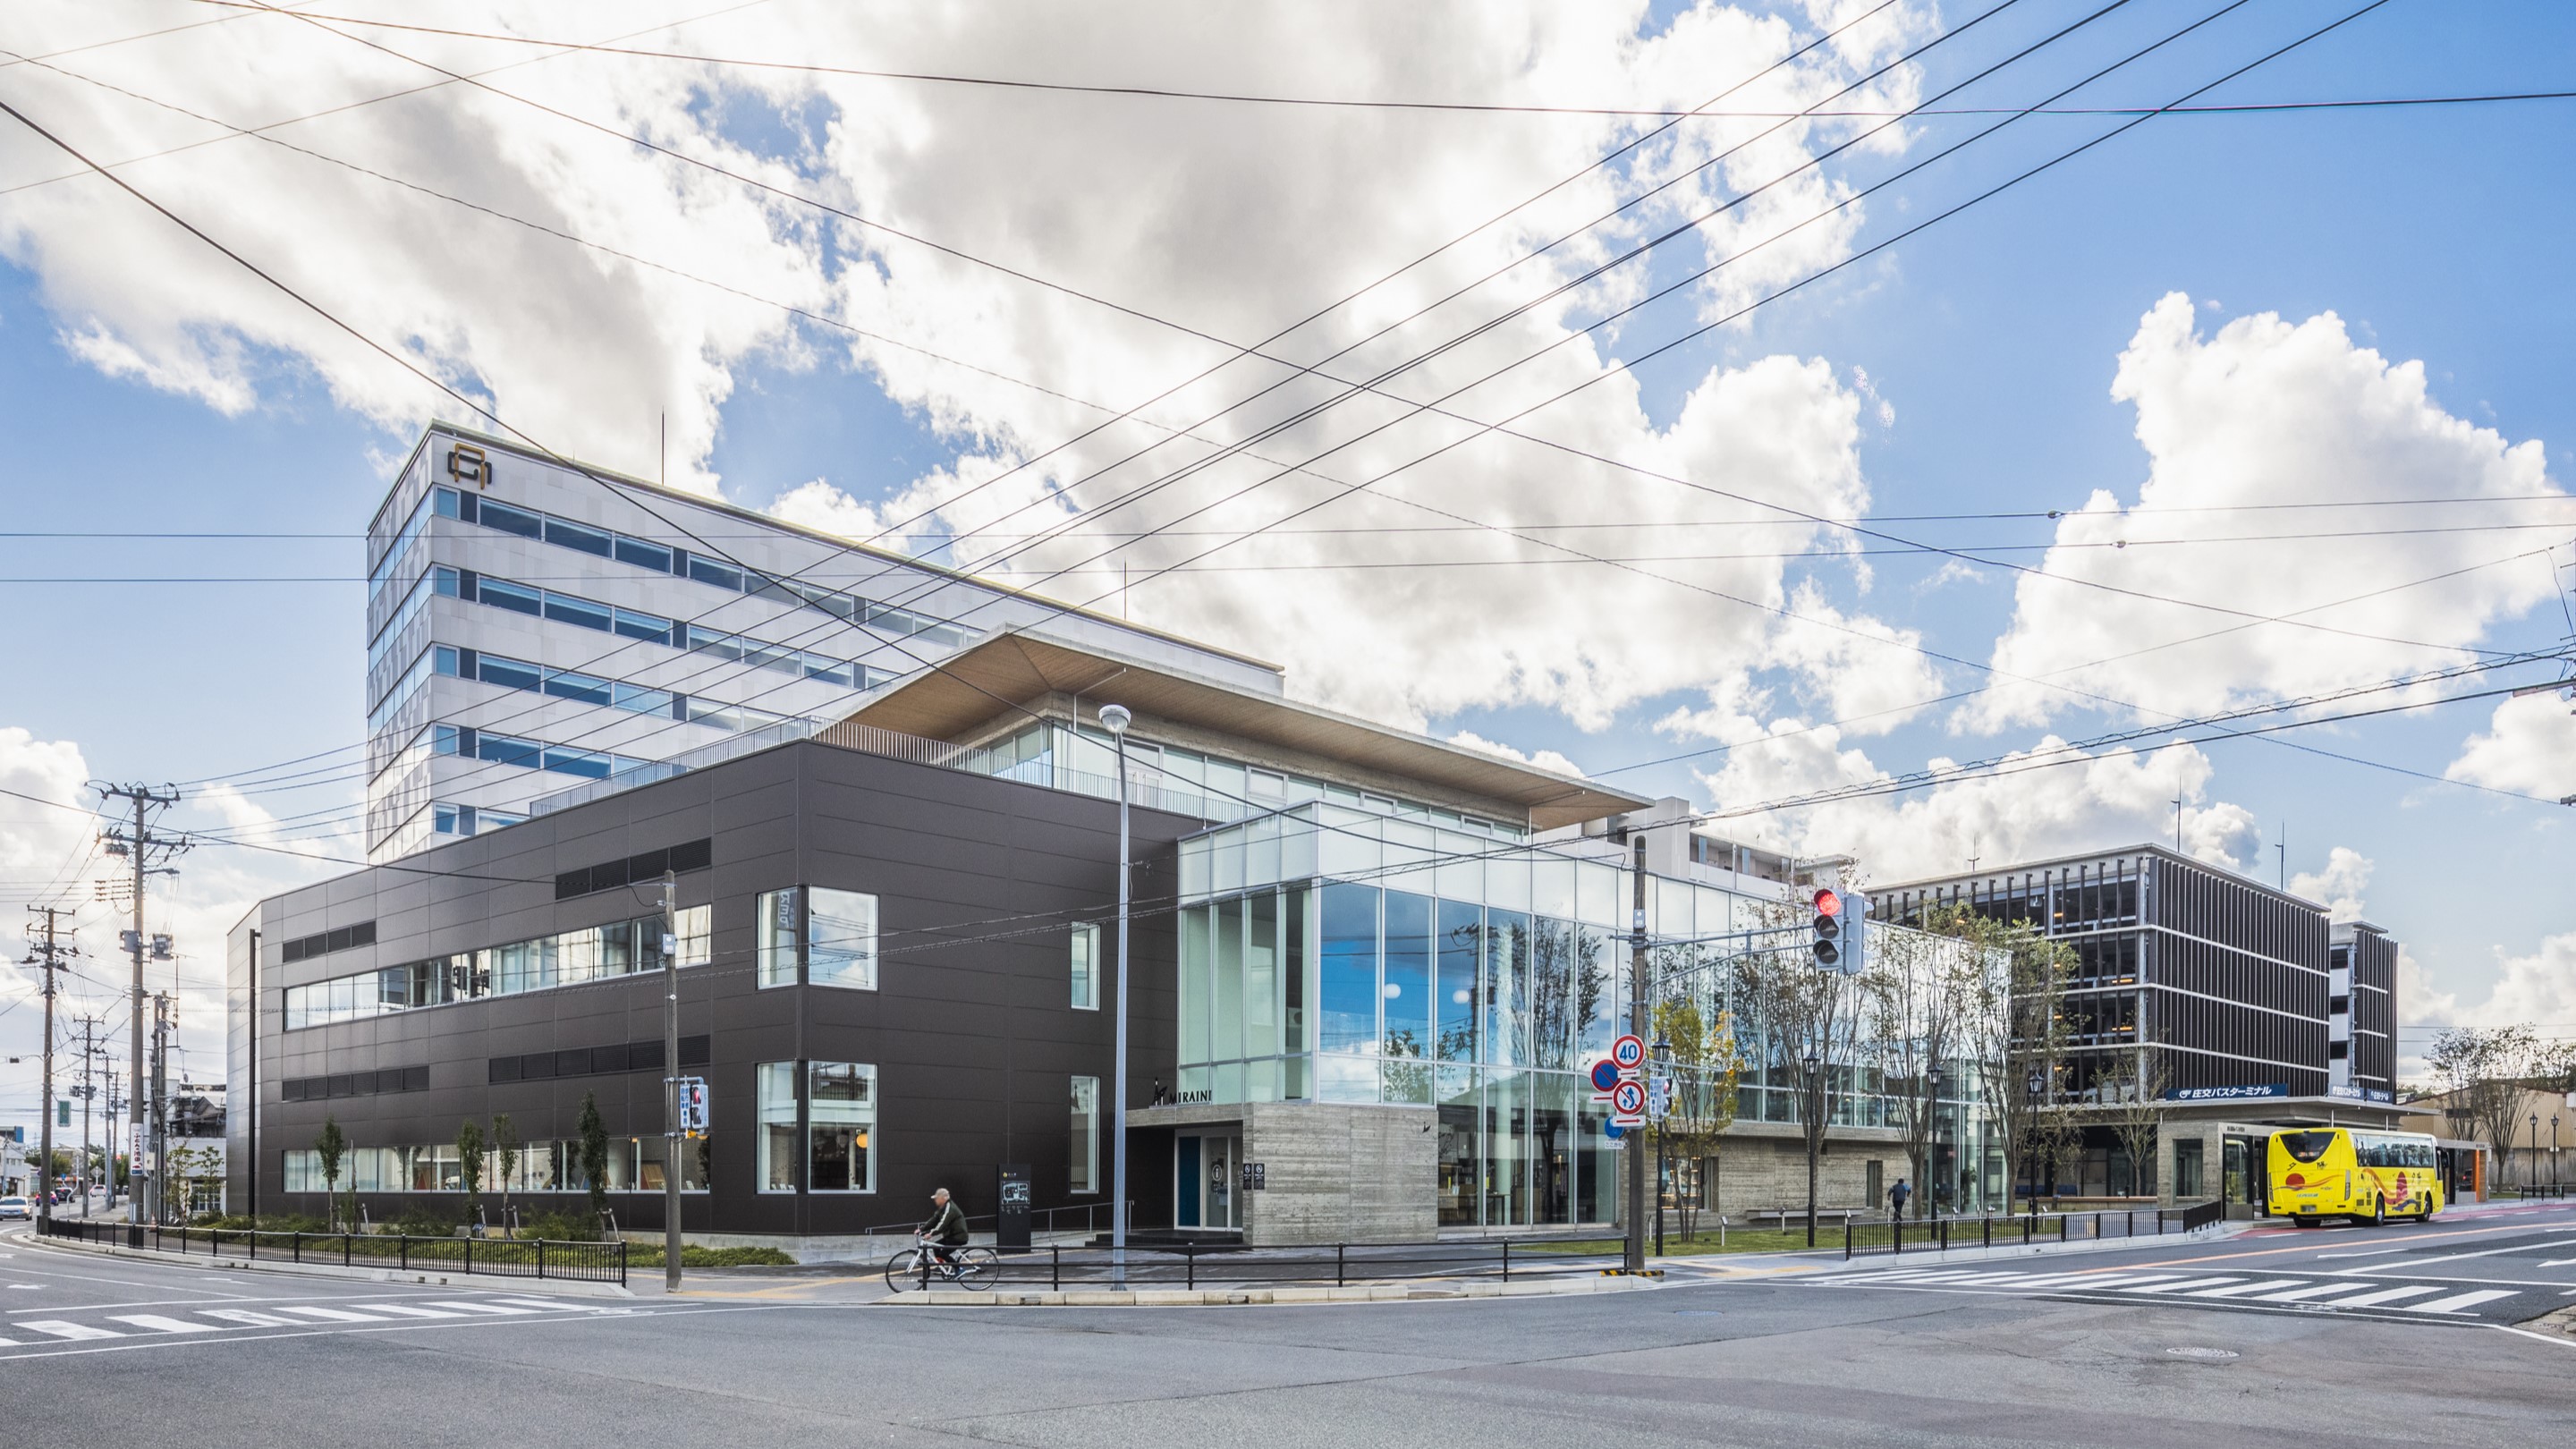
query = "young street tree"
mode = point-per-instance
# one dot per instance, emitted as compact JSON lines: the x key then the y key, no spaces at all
{"x":594,"y":1152}
{"x":1804,"y":1021}
{"x":2014,"y":1027}
{"x":331,"y":1147}
{"x":505,"y":1152}
{"x":469,"y":1164}
{"x":1705,"y":1071}
{"x":1918,"y":994}
{"x":2487,"y":1073}
{"x":2131,"y":1092}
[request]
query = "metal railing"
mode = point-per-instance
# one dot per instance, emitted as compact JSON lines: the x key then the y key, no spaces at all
{"x":1094,"y":1215}
{"x":2535,"y":1189}
{"x":479,"y":1257}
{"x":1216,"y":1266}
{"x":1933,"y":1235}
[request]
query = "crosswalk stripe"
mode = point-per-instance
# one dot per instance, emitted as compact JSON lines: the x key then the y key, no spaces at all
{"x":2256,"y":1286}
{"x":493,"y":1308}
{"x":2384,"y":1295}
{"x":2184,"y":1285}
{"x":2319,"y":1290}
{"x":335,"y":1315}
{"x":550,"y":1305}
{"x":59,"y":1329}
{"x":159,"y":1324}
{"x":406,"y":1310}
{"x":2459,"y":1302}
{"x":250,"y":1319}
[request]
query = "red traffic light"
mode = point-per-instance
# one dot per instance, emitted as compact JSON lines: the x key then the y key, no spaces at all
{"x":1829,"y":903}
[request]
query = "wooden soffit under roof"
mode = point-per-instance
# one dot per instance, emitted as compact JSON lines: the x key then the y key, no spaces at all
{"x":1013,"y":672}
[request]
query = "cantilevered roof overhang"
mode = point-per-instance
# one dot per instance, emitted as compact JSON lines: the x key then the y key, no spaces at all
{"x":1011,"y":674}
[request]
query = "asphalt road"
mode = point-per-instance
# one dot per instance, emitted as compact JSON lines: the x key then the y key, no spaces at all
{"x":2495,"y":1267}
{"x":100,"y":1347}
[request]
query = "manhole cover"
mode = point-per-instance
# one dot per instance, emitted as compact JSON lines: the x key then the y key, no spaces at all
{"x":2210,"y":1354}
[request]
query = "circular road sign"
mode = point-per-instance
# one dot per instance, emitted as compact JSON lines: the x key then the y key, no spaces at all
{"x":1628,"y":1099}
{"x":1613,"y":1131}
{"x":1605,"y":1075}
{"x":1629,"y":1052}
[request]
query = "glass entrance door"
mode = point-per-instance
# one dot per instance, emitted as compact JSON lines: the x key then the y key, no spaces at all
{"x":1206,"y":1193}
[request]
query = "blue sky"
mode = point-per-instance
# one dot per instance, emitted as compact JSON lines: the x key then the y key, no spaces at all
{"x":2435,"y":233}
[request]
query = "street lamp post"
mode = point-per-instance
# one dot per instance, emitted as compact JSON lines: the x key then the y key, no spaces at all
{"x":1812,"y":1121}
{"x":2032,"y":1083}
{"x":1115,"y":718}
{"x":2555,"y":1176}
{"x":1936,"y":1176}
{"x":2531,"y":1169}
{"x":1663,"y":1051}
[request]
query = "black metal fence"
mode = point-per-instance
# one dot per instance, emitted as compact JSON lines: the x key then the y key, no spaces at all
{"x":1340,"y":1265}
{"x":1932,"y":1235}
{"x":480,"y":1257}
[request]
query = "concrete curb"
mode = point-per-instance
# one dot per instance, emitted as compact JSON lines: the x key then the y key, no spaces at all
{"x":550,"y":1287}
{"x":1006,"y":1296}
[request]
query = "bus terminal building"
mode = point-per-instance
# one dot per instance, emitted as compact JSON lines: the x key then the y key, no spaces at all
{"x":1367,"y":969}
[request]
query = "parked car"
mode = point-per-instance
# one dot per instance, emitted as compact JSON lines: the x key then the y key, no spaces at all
{"x":15,"y":1207}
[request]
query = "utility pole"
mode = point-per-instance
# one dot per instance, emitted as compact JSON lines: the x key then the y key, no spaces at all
{"x":143,"y":848}
{"x":88,"y":1096}
{"x":47,"y":957}
{"x":107,"y":1149}
{"x":158,"y":1123}
{"x":1634,"y":1259}
{"x":672,"y":1138}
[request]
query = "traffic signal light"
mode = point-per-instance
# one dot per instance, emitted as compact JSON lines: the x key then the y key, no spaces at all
{"x":1838,"y":937}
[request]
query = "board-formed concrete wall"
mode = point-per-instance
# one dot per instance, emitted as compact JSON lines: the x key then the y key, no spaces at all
{"x":1338,"y":1173}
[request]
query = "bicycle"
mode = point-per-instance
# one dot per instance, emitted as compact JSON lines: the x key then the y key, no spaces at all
{"x":973,"y":1269}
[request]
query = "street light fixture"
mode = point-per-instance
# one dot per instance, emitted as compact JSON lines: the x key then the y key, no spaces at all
{"x":1114,"y":718}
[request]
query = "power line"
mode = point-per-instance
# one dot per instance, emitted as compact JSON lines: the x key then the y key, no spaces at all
{"x":1144,"y":92}
{"x":1756,"y":555}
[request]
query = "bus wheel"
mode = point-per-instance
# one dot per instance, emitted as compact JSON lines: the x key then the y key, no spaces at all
{"x":2379,"y":1212}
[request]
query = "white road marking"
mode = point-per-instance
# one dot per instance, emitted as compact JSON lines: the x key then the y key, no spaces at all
{"x":2384,"y":1295}
{"x":2185,"y":1284}
{"x":2459,"y":1302}
{"x":2318,"y":1291}
{"x":159,"y":1324}
{"x":406,"y":1310}
{"x":2254,"y":1287}
{"x":494,"y":1308}
{"x":249,"y":1319}
{"x":60,"y":1329}
{"x":2127,"y":1281}
{"x":2365,"y":1253}
{"x":336,"y":1315}
{"x":39,"y":1287}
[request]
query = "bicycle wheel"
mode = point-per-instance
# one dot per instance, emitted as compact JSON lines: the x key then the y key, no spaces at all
{"x":903,"y":1270}
{"x":977,"y":1268}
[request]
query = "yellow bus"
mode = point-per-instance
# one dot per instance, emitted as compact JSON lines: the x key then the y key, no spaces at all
{"x":2368,"y":1177}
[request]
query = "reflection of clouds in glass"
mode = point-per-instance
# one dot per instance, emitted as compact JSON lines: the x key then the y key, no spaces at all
{"x":1393,"y":991}
{"x":1459,"y":996}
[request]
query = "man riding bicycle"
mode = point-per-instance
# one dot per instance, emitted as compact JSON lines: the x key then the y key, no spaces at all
{"x":945,"y":1233}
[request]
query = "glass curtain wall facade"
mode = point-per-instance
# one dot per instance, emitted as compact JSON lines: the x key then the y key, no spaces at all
{"x":1334,"y":955}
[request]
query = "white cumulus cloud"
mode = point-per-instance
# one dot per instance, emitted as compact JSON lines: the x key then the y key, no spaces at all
{"x":2268,"y":412}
